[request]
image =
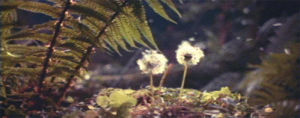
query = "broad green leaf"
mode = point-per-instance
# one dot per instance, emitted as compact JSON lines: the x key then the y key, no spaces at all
{"x":103,"y":101}
{"x":119,"y":98}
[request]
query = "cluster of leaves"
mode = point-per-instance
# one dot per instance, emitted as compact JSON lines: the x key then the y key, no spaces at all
{"x":40,"y":62}
{"x":166,"y":103}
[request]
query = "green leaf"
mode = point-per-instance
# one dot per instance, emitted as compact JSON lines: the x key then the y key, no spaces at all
{"x":143,"y":26}
{"x":9,"y":6}
{"x":39,"y":7}
{"x":30,"y":36}
{"x":158,"y":8}
{"x":125,"y":31}
{"x":133,"y":28}
{"x":116,"y":36}
{"x":31,"y":72}
{"x":103,"y":101}
{"x":171,"y":4}
{"x":119,"y":98}
{"x":86,"y":11}
{"x":111,"y":42}
{"x":215,"y":94}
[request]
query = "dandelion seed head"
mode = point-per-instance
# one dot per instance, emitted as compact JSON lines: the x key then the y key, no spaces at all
{"x":186,"y":53}
{"x":152,"y":62}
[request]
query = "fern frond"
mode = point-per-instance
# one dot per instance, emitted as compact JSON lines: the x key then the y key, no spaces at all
{"x":286,"y":109}
{"x":86,"y":11}
{"x":8,"y":19}
{"x":7,"y":6}
{"x":73,"y":46}
{"x":67,"y":41}
{"x":142,"y":24}
{"x":137,"y":37}
{"x":275,"y":79}
{"x":111,"y":5}
{"x":13,"y":71}
{"x":43,"y":37}
{"x":171,"y":5}
{"x":60,"y":55}
{"x":38,"y":7}
{"x":159,"y":9}
{"x":26,"y":50}
{"x":80,"y":29}
{"x":113,"y":34}
{"x":111,"y":42}
{"x":27,"y":59}
{"x":125,"y":31}
{"x":49,"y":53}
{"x":93,"y":24}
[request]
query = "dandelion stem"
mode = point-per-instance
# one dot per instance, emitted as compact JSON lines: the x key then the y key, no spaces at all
{"x":151,"y":80}
{"x":163,"y":78}
{"x":183,"y":78}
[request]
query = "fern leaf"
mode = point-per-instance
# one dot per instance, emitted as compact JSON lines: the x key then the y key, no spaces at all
{"x":133,"y":28}
{"x":32,"y":72}
{"x":6,"y":6}
{"x":117,"y":37}
{"x":111,"y":42}
{"x":107,"y":4}
{"x":58,"y":71}
{"x":26,"y":59}
{"x":30,"y":36}
{"x":26,"y":50}
{"x":143,"y":26}
{"x":38,"y":7}
{"x":65,"y":56}
{"x":93,"y":24}
{"x":73,"y":46}
{"x":171,"y":4}
{"x":86,"y":11}
{"x":124,"y":31}
{"x":158,"y":8}
{"x":80,"y":29}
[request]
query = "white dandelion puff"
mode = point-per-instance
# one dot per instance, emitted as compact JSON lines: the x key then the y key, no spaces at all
{"x":152,"y":62}
{"x":188,"y":54}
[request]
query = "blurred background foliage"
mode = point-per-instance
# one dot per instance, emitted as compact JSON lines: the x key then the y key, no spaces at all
{"x":252,"y":46}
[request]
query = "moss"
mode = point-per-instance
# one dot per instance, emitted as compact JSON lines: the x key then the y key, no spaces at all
{"x":166,"y":102}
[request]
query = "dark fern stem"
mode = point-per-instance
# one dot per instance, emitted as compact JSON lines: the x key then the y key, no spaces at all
{"x":88,"y":52}
{"x":52,"y":44}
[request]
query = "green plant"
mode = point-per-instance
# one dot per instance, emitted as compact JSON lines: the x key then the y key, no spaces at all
{"x":152,"y":63}
{"x":41,"y":73}
{"x":163,"y":102}
{"x":188,"y":55}
{"x":276,"y":82}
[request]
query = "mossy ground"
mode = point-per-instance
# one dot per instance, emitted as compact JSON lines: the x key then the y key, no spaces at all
{"x":167,"y":103}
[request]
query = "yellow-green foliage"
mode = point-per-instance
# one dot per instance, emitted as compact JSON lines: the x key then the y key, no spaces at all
{"x":87,"y":24}
{"x":276,"y":82}
{"x":148,"y":102}
{"x":276,"y":79}
{"x":118,"y":102}
{"x":214,"y":95}
{"x":63,"y":45}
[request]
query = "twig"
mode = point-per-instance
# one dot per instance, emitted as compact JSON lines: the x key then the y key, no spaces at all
{"x":163,"y":78}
